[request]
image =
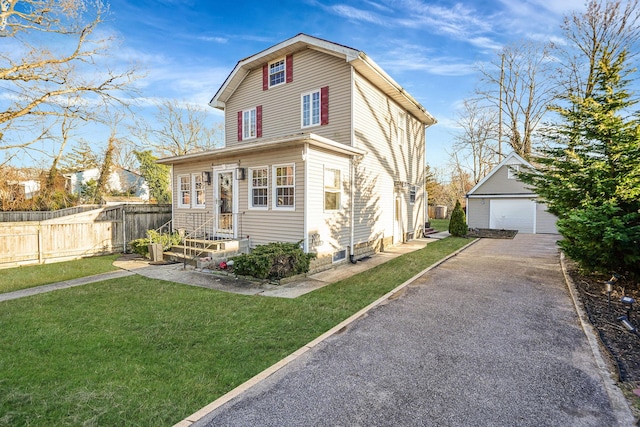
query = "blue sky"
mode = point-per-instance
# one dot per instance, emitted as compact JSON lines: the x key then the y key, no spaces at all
{"x":187,"y":48}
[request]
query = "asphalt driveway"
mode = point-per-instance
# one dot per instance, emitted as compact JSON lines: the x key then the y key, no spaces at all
{"x":489,"y":338}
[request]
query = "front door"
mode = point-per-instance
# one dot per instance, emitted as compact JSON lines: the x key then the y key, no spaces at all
{"x":224,"y":199}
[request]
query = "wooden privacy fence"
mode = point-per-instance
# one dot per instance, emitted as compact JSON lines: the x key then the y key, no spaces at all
{"x":98,"y":231}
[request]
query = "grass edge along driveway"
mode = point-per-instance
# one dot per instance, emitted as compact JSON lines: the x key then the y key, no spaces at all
{"x":137,"y":351}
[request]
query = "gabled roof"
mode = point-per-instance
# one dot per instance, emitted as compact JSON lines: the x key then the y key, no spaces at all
{"x":511,"y":159}
{"x":358,"y":59}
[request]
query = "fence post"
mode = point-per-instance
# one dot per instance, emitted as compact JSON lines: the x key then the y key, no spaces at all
{"x":40,"y":255}
{"x":124,"y":232}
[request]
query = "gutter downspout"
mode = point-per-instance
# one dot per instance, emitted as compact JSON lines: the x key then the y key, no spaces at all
{"x":305,"y":222}
{"x":424,"y":181}
{"x":352,"y":180}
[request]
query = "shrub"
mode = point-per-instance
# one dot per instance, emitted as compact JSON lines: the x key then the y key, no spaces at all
{"x":273,"y":261}
{"x":458,"y":223}
{"x":141,"y":246}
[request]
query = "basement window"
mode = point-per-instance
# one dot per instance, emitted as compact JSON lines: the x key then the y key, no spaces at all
{"x":340,"y":255}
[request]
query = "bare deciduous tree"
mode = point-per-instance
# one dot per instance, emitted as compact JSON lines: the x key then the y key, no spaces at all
{"x":181,"y":128}
{"x":475,"y":145}
{"x":54,"y":77}
{"x":516,"y":84}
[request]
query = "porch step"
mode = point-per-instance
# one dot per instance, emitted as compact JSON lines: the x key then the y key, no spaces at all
{"x":195,"y":250}
{"x":428,"y":231}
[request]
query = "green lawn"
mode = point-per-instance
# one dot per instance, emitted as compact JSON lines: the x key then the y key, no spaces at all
{"x":13,"y":279}
{"x":440,"y":224}
{"x":136,"y":351}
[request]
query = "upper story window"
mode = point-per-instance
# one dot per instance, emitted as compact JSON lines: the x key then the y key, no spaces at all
{"x":249,"y":124}
{"x":277,"y":72}
{"x":314,"y":107}
{"x":311,"y":108}
{"x":412,"y":194}
{"x":184,"y":191}
{"x":258,"y":190}
{"x":512,"y":171}
{"x":284,"y":187}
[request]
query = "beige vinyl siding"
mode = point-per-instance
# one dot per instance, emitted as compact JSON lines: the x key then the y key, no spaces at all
{"x":263,"y":226}
{"x":272,"y":225}
{"x":375,"y":119}
{"x":332,"y":228}
{"x":498,"y":183}
{"x":189,"y":169}
{"x":281,"y":105}
{"x":545,"y":221}
{"x":478,"y":213}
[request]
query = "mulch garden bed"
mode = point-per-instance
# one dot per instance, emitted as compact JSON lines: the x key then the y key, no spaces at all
{"x":622,"y":345}
{"x":492,"y":233}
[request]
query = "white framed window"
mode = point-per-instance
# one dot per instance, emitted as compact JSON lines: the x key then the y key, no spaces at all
{"x":284,"y":187}
{"x":277,"y":72}
{"x":412,"y":194}
{"x":258,"y":187}
{"x":332,"y":189}
{"x":311,"y":108}
{"x":339,"y":255}
{"x":249,"y":124}
{"x":184,"y":191}
{"x":199,"y":191}
{"x":512,"y":171}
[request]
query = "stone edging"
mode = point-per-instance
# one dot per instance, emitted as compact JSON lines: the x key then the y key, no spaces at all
{"x":619,"y":403}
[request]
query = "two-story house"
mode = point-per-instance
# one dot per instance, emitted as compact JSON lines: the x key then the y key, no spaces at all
{"x":321,"y":146}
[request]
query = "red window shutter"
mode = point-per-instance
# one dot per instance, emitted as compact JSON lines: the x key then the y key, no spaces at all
{"x":289,"y":68}
{"x":259,"y":121}
{"x":265,"y":77}
{"x":324,"y":105}
{"x":239,"y":125}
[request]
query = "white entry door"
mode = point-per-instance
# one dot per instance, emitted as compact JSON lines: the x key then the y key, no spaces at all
{"x":225,"y":196}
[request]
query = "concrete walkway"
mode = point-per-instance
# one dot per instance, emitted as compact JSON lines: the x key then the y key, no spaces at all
{"x":133,"y":264}
{"x":489,"y":338}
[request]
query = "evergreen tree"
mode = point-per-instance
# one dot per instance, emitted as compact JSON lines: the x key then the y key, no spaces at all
{"x":157,"y":176}
{"x":458,"y":223}
{"x":591,"y":175}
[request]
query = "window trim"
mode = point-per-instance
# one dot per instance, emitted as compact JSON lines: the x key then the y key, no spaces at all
{"x":255,"y":123}
{"x":339,"y":256}
{"x":181,"y":191}
{"x":194,"y":191}
{"x":337,"y":190}
{"x":512,"y":171}
{"x":251,"y":188}
{"x":284,"y":72}
{"x":311,"y":115}
{"x":275,"y":187}
{"x":413,"y":191}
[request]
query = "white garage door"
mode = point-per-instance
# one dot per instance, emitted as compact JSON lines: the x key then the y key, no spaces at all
{"x":512,"y":214}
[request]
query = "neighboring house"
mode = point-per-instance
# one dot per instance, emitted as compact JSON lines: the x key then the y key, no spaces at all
{"x":322,"y":147}
{"x":27,"y":189}
{"x":501,"y":201}
{"x":120,"y":181}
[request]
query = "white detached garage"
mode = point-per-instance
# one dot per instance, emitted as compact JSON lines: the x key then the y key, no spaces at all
{"x":501,"y":201}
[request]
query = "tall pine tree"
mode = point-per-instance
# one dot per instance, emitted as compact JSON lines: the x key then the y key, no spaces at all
{"x":591,"y":175}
